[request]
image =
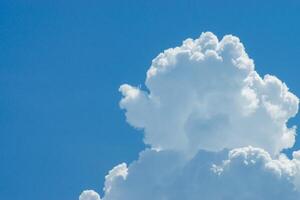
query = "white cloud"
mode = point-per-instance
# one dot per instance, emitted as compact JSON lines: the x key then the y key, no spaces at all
{"x":118,"y":173}
{"x":206,"y":94}
{"x":246,"y":173}
{"x":203,"y":97}
{"x":89,"y":195}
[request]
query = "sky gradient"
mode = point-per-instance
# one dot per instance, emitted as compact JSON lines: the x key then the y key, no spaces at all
{"x":62,"y":64}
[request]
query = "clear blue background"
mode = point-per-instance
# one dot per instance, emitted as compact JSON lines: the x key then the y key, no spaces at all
{"x":61,"y":63}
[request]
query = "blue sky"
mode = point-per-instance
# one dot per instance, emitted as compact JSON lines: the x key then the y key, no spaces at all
{"x":62,"y":63}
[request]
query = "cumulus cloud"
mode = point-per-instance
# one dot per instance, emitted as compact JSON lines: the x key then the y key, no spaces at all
{"x":246,"y":173}
{"x":118,"y":173}
{"x":206,"y":94}
{"x":215,"y":128}
{"x":89,"y":195}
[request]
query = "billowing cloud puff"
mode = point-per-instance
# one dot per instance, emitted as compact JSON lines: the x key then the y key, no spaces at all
{"x":118,"y":173}
{"x":89,"y":195}
{"x":246,"y":173}
{"x":206,"y":94}
{"x":215,"y":128}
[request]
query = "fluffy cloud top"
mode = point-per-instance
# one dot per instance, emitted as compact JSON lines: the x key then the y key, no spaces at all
{"x":89,"y":195}
{"x":203,"y":97}
{"x":206,"y":94}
